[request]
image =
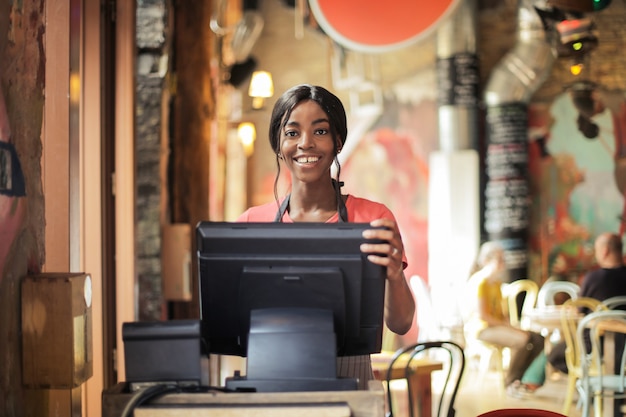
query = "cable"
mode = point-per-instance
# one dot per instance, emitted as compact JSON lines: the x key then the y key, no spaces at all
{"x":154,"y":391}
{"x":146,"y":394}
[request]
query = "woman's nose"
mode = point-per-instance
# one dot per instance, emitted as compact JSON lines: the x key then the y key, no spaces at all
{"x":306,"y":141}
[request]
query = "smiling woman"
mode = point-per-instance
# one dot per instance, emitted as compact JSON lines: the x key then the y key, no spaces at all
{"x":308,"y":129}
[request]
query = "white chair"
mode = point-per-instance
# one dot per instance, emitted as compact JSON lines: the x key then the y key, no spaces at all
{"x":550,"y":289}
{"x":428,"y":324}
{"x":615,"y":302}
{"x":596,"y":382}
{"x":487,"y":354}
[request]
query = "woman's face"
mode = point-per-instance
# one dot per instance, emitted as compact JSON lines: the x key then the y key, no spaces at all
{"x":307,"y":143}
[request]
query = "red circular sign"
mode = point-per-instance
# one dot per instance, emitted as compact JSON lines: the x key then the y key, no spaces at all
{"x":378,"y":26}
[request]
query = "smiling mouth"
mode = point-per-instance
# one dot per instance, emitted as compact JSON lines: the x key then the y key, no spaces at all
{"x":307,"y":159}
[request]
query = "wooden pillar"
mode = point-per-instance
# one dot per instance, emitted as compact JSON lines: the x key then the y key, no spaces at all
{"x":193,"y":113}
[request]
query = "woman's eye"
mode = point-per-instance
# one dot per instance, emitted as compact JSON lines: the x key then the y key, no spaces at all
{"x":290,"y":133}
{"x":321,"y":131}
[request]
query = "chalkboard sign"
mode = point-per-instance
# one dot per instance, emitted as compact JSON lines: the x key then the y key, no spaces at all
{"x":457,"y":79}
{"x":506,"y":190}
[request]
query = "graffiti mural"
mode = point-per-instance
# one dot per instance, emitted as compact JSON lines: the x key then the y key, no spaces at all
{"x":578,"y":176}
{"x":398,"y":145}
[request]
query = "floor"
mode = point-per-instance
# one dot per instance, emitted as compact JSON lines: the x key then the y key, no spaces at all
{"x":482,"y":393}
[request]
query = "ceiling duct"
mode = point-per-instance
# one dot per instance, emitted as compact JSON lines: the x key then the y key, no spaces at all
{"x":522,"y":71}
{"x":242,"y":38}
{"x":245,"y":34}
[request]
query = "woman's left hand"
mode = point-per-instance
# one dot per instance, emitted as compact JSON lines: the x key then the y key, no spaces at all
{"x":390,"y":253}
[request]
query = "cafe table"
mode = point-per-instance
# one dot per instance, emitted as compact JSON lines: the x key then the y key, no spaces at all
{"x":420,"y":378}
{"x":547,"y":320}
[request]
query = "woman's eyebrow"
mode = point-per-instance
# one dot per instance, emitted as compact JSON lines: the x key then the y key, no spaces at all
{"x":321,"y":120}
{"x":315,"y":122}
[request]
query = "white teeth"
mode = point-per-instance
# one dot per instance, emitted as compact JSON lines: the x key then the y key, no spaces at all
{"x":305,"y":159}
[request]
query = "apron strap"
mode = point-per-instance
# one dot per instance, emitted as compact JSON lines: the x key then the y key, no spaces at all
{"x":341,"y":205}
{"x":282,"y":209}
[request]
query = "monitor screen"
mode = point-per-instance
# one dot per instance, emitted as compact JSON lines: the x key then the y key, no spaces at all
{"x":246,"y":267}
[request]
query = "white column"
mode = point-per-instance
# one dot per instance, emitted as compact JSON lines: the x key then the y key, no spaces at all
{"x":453,"y":228}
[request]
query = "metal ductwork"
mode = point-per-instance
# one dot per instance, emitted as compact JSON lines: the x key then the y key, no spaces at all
{"x":236,"y":56}
{"x":524,"y":69}
{"x":505,"y":185}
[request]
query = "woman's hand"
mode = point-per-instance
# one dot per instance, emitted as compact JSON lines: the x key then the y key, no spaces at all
{"x":399,"y":302}
{"x":389,"y":254}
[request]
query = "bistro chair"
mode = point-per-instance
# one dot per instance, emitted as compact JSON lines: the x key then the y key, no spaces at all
{"x":596,"y":382}
{"x":614,"y":303}
{"x":550,"y":289}
{"x":453,"y":358}
{"x":487,"y":354}
{"x":512,"y":292}
{"x":428,"y":324}
{"x":574,"y":356}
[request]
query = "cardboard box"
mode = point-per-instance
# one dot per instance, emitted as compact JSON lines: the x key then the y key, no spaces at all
{"x":56,"y":330}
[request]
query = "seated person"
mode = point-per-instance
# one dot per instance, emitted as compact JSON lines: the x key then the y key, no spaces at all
{"x":609,"y":280}
{"x":487,"y":319}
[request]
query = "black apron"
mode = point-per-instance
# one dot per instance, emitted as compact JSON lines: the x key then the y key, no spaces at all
{"x":359,"y":367}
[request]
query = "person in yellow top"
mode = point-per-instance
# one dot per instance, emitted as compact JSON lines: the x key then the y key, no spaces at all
{"x":486,"y":317}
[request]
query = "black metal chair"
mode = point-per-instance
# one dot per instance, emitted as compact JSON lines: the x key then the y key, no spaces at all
{"x":453,"y":367}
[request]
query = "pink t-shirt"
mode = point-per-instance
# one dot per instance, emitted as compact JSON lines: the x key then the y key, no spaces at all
{"x":359,"y":210}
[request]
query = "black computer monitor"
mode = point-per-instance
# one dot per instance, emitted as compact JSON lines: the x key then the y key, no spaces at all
{"x":272,"y":290}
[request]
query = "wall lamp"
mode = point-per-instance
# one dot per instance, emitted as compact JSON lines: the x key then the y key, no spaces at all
{"x":261,"y":87}
{"x":246,"y":133}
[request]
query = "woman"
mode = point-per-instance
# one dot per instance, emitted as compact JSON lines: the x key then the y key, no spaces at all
{"x":308,"y":129}
{"x":488,"y":321}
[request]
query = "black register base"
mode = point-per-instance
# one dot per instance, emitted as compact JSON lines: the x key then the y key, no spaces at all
{"x":370,"y":403}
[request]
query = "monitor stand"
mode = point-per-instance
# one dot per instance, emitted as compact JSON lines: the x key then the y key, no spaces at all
{"x":289,"y":350}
